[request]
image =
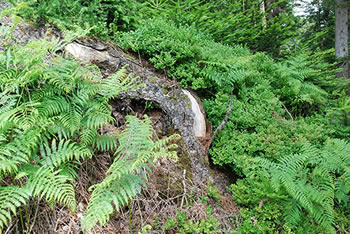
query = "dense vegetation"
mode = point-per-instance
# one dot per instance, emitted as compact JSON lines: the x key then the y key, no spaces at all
{"x":52,"y":115}
{"x":286,"y":139}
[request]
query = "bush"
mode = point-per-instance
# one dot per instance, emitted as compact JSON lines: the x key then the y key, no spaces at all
{"x":102,"y":17}
{"x":187,"y":55}
{"x":230,"y":22}
{"x":312,"y":186}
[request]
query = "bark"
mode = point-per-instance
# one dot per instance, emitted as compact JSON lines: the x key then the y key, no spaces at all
{"x":341,"y":36}
{"x":263,"y":12}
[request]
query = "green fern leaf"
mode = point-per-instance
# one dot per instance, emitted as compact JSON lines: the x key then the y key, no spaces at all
{"x":52,"y":185}
{"x":105,"y":142}
{"x":56,"y":154}
{"x":11,"y":197}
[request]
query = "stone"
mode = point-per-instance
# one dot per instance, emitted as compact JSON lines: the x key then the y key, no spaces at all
{"x":183,"y":107}
{"x":199,"y":122}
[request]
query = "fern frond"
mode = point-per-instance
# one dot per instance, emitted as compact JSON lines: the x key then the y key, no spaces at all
{"x":72,"y":118}
{"x":55,"y":154}
{"x":7,"y":166}
{"x":52,"y":185}
{"x":97,"y":119}
{"x":312,"y":180}
{"x":135,"y":150}
{"x":64,"y":74}
{"x":117,"y":83}
{"x":118,"y":193}
{"x":68,"y":169}
{"x":53,"y":106}
{"x":87,"y":136}
{"x":292,"y":213}
{"x":11,"y":197}
{"x":105,"y":142}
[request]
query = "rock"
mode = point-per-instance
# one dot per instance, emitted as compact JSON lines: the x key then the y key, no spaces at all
{"x":22,"y":34}
{"x":87,"y":54}
{"x":182,"y":107}
{"x":199,"y":124}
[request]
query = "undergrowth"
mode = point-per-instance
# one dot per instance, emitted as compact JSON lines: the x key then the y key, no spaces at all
{"x":52,"y":113}
{"x":286,"y":137}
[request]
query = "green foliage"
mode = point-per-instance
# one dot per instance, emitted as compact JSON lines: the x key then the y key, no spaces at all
{"x":11,"y":197}
{"x":276,"y":139}
{"x":231,"y":22}
{"x":103,"y":17}
{"x":339,"y":115}
{"x":310,"y":185}
{"x":213,"y":192}
{"x":260,"y":220}
{"x":182,"y":224}
{"x":187,"y":55}
{"x":258,"y":127}
{"x":200,"y":63}
{"x":136,"y":150}
{"x":295,"y":87}
{"x":52,"y":110}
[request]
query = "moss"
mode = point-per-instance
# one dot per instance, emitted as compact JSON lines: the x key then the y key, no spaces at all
{"x":189,"y":105}
{"x":152,"y":80}
{"x":165,"y":90}
{"x":130,"y":57}
{"x":159,"y":133}
{"x":184,"y":161}
{"x":170,"y":130}
{"x":174,"y":97}
{"x":204,"y":159}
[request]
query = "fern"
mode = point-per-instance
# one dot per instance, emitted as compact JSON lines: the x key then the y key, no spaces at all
{"x":11,"y":197}
{"x":50,"y":184}
{"x":64,"y":151}
{"x":135,"y":151}
{"x":105,"y":143}
{"x":51,"y":113}
{"x":312,"y":180}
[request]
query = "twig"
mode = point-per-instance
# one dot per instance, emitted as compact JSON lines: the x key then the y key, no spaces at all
{"x":290,"y":115}
{"x":35,"y":215}
{"x":184,"y":184}
{"x":224,"y":121}
{"x":9,"y":228}
{"x":261,"y":203}
{"x":138,"y":204}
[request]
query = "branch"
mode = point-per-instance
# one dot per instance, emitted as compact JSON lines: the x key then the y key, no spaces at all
{"x":224,"y":121}
{"x":290,"y":115}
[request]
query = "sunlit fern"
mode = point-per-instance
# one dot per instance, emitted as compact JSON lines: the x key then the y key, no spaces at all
{"x":313,"y":181}
{"x":51,"y":113}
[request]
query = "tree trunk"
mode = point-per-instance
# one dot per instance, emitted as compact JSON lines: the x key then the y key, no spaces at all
{"x":341,"y":36}
{"x":263,"y":12}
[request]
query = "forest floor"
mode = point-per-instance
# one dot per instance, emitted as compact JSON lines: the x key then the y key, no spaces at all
{"x":169,"y":191}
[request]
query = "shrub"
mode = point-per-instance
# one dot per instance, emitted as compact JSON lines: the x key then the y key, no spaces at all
{"x":311,"y":185}
{"x":102,"y":17}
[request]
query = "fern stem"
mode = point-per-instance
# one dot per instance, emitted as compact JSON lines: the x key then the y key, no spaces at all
{"x":21,"y":219}
{"x":35,"y":215}
{"x":26,"y":207}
